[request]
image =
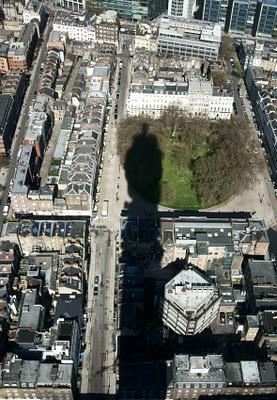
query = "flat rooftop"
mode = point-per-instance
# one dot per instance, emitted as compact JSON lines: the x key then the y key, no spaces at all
{"x":190,"y":291}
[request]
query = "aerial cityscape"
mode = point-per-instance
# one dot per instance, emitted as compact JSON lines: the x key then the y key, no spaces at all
{"x":138,"y":199}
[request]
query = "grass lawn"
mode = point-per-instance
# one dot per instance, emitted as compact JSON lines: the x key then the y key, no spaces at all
{"x":177,"y":191}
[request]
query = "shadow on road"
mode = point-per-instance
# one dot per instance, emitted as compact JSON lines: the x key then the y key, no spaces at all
{"x":142,"y":370}
{"x":272,"y":235}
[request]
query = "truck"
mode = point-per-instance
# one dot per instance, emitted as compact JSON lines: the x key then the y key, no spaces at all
{"x":105,"y":208}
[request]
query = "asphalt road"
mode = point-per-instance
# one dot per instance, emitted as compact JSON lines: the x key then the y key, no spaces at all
{"x":98,"y":367}
{"x":234,"y":82}
{"x":125,"y":79}
{"x":23,"y":118}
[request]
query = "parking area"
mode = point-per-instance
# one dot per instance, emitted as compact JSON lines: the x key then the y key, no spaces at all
{"x":224,"y":323}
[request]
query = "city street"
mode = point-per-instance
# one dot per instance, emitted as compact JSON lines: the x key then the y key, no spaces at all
{"x":99,"y":365}
{"x":98,"y":372}
{"x":23,"y":118}
{"x":234,"y":83}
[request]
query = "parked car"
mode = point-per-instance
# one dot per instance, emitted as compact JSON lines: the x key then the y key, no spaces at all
{"x":222,"y":318}
{"x":230,"y":319}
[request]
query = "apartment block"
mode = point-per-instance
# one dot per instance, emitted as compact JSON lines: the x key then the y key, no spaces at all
{"x":197,"y":96}
{"x":77,"y":26}
{"x":35,"y":10}
{"x":196,"y":376}
{"x":20,"y":53}
{"x":107,"y":28}
{"x":260,"y":87}
{"x":24,"y":179}
{"x":38,"y":132}
{"x":30,"y":378}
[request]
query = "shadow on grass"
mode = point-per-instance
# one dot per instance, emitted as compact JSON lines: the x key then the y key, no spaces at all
{"x":143,"y":166}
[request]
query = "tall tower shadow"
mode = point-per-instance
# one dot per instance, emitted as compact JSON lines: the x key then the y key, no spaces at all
{"x":142,"y":372}
{"x":143,"y":170}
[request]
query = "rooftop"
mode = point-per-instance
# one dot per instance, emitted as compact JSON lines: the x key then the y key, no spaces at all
{"x":250,"y":371}
{"x":262,"y":272}
{"x":190,"y":291}
{"x":190,"y":29}
{"x":197,"y":369}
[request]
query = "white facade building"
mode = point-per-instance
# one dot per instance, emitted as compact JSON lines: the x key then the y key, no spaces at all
{"x":75,"y":25}
{"x":147,"y":42}
{"x":197,"y":97}
{"x":181,"y":8}
{"x":34,"y":10}
{"x":190,"y":302}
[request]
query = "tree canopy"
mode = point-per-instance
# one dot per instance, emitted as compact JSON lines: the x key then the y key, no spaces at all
{"x":203,"y":162}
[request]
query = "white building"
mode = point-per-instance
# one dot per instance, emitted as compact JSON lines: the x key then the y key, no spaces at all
{"x":77,"y":26}
{"x":34,"y":10}
{"x":147,"y":42}
{"x":181,"y":8}
{"x":189,"y":38}
{"x":191,"y":302}
{"x":197,"y":97}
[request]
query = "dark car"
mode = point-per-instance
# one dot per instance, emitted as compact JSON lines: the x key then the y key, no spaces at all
{"x":96,"y":279}
{"x":222,"y":318}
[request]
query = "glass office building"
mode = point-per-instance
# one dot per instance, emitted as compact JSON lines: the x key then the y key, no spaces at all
{"x":253,"y":17}
{"x":240,"y":16}
{"x":266,"y":18}
{"x":136,"y":9}
{"x":214,"y":10}
{"x":211,"y":10}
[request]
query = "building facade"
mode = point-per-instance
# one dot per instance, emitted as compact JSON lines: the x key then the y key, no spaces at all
{"x":252,"y":17}
{"x":107,"y":28}
{"x":77,"y":28}
{"x":265,"y":23}
{"x":189,"y":38}
{"x":197,"y":97}
{"x":181,"y":8}
{"x":7,"y":126}
{"x":74,"y":5}
{"x":241,"y":16}
{"x":191,"y":377}
{"x":135,"y":9}
{"x":264,"y":107}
